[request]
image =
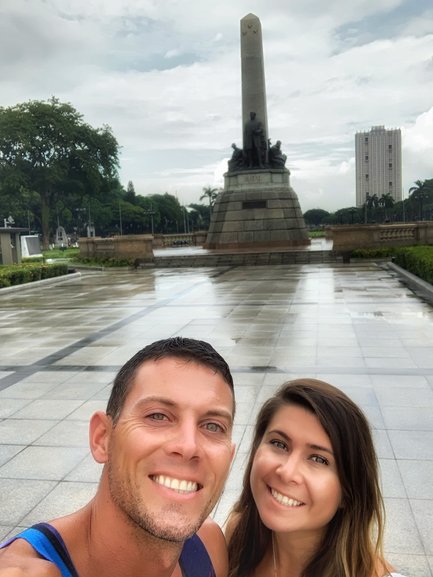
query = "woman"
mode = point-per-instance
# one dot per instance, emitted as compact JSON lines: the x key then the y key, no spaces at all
{"x":311,"y":504}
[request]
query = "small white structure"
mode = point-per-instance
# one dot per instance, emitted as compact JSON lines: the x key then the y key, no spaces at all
{"x":30,"y":246}
{"x":61,"y":237}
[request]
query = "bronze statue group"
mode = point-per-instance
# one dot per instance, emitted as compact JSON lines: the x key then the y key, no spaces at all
{"x":258,"y":153}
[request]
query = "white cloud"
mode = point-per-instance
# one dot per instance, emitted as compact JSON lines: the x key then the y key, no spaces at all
{"x":166,"y":77}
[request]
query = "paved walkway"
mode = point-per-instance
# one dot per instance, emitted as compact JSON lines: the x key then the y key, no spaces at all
{"x":354,"y":325}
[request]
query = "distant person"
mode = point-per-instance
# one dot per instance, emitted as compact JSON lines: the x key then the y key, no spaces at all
{"x":253,"y":141}
{"x":311,"y":504}
{"x":165,"y":442}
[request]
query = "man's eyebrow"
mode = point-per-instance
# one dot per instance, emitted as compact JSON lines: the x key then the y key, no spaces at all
{"x":222,"y":413}
{"x":313,"y":446}
{"x":156,"y":399}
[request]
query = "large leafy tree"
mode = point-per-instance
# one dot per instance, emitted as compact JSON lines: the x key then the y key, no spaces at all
{"x":315,"y":216}
{"x":48,"y":151}
{"x":199,"y":216}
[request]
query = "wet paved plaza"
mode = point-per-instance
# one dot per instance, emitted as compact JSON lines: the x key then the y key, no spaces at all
{"x":356,"y":326}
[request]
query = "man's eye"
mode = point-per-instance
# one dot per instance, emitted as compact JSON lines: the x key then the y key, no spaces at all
{"x":278,"y":444}
{"x":157,"y":416}
{"x":214,"y":428}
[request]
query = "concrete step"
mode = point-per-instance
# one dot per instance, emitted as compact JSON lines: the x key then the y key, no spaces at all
{"x":247,"y":258}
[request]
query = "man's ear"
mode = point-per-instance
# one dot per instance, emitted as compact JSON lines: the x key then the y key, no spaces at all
{"x":99,"y":436}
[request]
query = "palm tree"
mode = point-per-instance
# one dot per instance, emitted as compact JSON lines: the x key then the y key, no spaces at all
{"x":210,"y":194}
{"x":371,"y":201}
{"x":386,"y":201}
{"x":419,"y":193}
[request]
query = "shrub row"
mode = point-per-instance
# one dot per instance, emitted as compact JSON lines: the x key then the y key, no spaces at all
{"x":416,"y":259}
{"x":377,"y":252}
{"x":106,"y":262}
{"x":19,"y":274}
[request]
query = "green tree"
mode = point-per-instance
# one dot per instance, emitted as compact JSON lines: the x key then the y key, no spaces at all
{"x":315,"y":216}
{"x":421,"y":193}
{"x":47,"y":149}
{"x":199,"y":216}
{"x":211,"y":194}
{"x":130,"y":193}
{"x":386,"y":201}
{"x":168,"y":214}
{"x":370,"y":205}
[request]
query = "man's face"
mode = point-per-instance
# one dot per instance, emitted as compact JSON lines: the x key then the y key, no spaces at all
{"x":171,"y":449}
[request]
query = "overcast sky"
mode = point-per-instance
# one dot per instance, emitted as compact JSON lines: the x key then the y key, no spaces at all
{"x":165,"y":75}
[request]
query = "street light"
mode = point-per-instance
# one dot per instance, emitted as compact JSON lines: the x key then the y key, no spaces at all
{"x":120,"y":219}
{"x":422,"y":196}
{"x":79,"y":212}
{"x":150,"y":212}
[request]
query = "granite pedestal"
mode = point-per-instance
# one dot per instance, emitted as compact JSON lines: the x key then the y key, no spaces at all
{"x":258,"y":208}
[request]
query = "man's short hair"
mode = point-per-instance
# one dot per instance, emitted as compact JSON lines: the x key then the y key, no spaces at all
{"x":190,"y":350}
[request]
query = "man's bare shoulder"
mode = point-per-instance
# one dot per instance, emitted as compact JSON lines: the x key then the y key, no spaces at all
{"x":19,"y":559}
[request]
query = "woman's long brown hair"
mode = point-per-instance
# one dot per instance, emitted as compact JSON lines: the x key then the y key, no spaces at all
{"x":352,"y":543}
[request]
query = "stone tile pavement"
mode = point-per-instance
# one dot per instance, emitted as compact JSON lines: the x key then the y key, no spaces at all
{"x":356,"y":326}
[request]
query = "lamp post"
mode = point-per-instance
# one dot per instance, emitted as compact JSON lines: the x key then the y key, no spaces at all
{"x":120,"y":219}
{"x":150,"y":212}
{"x":422,"y":196}
{"x":79,"y":212}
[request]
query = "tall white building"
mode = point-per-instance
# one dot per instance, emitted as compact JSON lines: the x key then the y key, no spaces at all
{"x":378,"y":163}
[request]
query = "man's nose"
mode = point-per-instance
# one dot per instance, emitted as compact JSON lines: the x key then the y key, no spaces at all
{"x":185,"y":441}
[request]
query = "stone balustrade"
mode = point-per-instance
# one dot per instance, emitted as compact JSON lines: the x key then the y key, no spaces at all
{"x":129,"y":246}
{"x":349,"y":237}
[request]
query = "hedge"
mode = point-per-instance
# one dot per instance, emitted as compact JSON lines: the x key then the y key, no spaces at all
{"x":13,"y":275}
{"x":416,"y":259}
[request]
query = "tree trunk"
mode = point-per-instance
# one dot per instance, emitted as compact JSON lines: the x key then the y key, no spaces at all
{"x":45,"y":220}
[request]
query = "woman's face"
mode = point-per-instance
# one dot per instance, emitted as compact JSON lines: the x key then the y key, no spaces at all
{"x":294,"y":477}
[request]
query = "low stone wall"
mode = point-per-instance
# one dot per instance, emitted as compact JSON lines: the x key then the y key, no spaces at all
{"x":131,"y":246}
{"x":349,"y":237}
{"x":188,"y":239}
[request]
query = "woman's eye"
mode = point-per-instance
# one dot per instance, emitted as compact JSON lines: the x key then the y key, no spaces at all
{"x":278,"y":444}
{"x":214,"y":428}
{"x":319,"y":459}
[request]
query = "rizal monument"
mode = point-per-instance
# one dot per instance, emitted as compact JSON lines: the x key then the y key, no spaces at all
{"x":257,"y":207}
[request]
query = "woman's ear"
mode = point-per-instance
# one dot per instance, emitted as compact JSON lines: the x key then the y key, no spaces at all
{"x":99,"y":436}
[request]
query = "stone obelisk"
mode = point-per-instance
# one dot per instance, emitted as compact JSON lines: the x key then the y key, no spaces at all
{"x":257,"y":208}
{"x":253,"y":72}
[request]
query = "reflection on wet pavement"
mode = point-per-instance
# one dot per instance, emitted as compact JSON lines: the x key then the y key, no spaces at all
{"x":354,"y":325}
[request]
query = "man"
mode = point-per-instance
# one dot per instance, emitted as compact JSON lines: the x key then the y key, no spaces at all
{"x":165,"y":442}
{"x":253,"y":141}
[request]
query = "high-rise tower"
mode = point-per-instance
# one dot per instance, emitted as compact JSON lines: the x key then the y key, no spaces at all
{"x":378,"y":163}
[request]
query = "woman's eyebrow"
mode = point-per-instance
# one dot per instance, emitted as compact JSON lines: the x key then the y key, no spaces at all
{"x":313,"y":446}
